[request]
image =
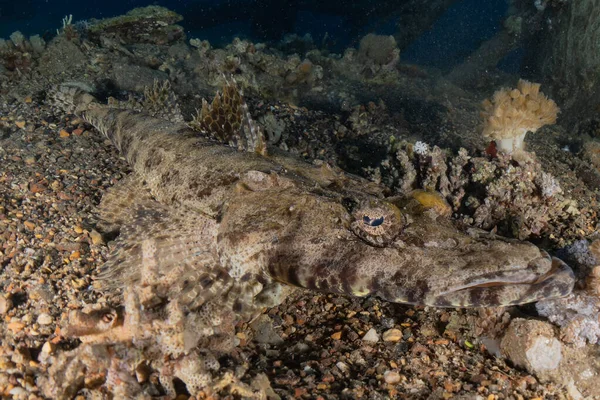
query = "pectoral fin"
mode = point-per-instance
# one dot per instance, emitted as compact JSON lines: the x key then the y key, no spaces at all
{"x":171,"y":252}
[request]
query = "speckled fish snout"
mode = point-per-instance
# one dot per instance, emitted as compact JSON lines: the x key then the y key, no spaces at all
{"x":544,"y":278}
{"x":400,"y":255}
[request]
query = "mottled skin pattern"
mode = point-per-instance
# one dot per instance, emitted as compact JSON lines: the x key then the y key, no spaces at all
{"x":210,"y":235}
{"x":278,"y":218}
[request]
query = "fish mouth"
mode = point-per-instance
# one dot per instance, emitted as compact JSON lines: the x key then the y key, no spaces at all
{"x":512,"y":288}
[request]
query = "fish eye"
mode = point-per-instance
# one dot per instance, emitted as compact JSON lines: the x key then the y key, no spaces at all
{"x":377,"y":223}
{"x":373,"y":221}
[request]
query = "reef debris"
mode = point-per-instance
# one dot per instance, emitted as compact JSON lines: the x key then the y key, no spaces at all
{"x":495,"y":193}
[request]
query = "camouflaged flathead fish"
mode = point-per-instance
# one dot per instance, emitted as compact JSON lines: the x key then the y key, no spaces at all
{"x":200,"y":218}
{"x":213,"y":227}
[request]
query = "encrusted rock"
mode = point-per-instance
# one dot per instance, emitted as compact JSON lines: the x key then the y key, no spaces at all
{"x":532,"y":344}
{"x":578,"y":316}
{"x":152,"y":24}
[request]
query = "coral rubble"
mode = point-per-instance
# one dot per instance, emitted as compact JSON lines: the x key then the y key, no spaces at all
{"x":516,"y":199}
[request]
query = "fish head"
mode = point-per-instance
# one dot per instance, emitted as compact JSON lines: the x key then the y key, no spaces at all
{"x":364,"y":245}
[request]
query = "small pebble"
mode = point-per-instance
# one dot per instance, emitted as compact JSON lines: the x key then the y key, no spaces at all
{"x":18,"y":391}
{"x":48,"y":348}
{"x":392,"y":335}
{"x":29,"y":225}
{"x":391,"y":377}
{"x":371,"y":336}
{"x":343,"y":367}
{"x":5,"y":305}
{"x":44,"y":319}
{"x":36,"y":188}
{"x":96,"y":237}
{"x":15,"y":326}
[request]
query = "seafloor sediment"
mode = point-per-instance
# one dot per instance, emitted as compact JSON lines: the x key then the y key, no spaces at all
{"x":361,"y":112}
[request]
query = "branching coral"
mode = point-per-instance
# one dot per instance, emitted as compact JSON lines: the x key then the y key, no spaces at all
{"x":510,"y":114}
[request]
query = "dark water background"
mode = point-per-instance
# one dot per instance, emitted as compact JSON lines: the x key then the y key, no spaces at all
{"x":454,"y":36}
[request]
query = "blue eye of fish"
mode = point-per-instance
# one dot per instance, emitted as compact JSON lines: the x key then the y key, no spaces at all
{"x":373,"y":221}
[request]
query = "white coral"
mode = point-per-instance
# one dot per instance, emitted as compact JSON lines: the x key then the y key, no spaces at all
{"x":421,"y":148}
{"x":548,"y":184}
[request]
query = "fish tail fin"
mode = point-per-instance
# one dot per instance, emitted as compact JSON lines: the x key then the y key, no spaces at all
{"x":72,"y":97}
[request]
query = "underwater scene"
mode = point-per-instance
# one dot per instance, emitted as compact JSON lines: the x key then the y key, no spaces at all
{"x":259,"y":199}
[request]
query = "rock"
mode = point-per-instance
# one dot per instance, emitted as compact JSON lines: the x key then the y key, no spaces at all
{"x":48,"y":349}
{"x":96,"y":237}
{"x":29,"y":225}
{"x":428,"y":330}
{"x":337,"y":335}
{"x":136,"y":77}
{"x":62,"y":56}
{"x":371,"y":336}
{"x":15,"y":326}
{"x":43,"y":293}
{"x":343,"y":367}
{"x":44,"y":319}
{"x":17,"y":391}
{"x":392,"y":335}
{"x":533,"y":345}
{"x":36,"y":187}
{"x":578,"y":316}
{"x":264,"y":332}
{"x":391,"y":377}
{"x":5,"y":305}
{"x":152,"y":24}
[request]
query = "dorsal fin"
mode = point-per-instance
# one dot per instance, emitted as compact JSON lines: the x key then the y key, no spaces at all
{"x":72,"y":97}
{"x":159,"y":100}
{"x":228,"y":120}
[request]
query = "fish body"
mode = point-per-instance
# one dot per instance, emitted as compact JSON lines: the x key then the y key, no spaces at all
{"x":213,"y":227}
{"x":243,"y":216}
